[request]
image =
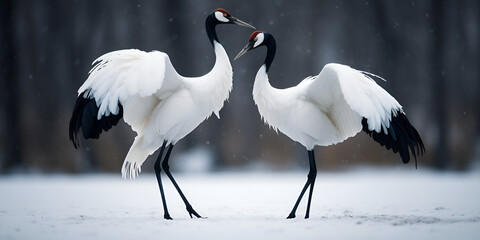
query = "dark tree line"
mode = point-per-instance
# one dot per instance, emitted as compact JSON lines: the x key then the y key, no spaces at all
{"x":427,"y":50}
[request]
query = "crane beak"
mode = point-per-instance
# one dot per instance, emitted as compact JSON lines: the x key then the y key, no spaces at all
{"x":239,"y":22}
{"x":248,"y":47}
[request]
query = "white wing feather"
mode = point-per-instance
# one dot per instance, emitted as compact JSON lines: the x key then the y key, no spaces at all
{"x":139,"y":81}
{"x":120,"y":74}
{"x":360,"y":93}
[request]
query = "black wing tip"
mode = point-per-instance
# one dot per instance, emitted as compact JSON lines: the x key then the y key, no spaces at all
{"x":84,"y":118}
{"x":75,"y":121}
{"x":404,"y":138}
{"x":73,"y":136}
{"x":74,"y":141}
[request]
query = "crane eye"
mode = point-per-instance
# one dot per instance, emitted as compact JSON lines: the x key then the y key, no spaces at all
{"x":255,"y":39}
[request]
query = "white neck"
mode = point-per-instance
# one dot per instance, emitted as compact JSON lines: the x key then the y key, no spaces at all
{"x":266,"y":98}
{"x":261,"y":86}
{"x":222,"y":70}
{"x":216,"y":85}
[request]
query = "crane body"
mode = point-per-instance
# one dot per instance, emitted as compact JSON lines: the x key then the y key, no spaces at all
{"x":159,"y":104}
{"x":330,"y":107}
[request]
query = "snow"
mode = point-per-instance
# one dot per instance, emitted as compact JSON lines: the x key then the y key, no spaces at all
{"x":362,"y":204}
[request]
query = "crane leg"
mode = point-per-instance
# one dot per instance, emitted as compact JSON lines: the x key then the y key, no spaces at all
{"x":312,"y":174}
{"x":158,"y":170}
{"x":166,"y":168}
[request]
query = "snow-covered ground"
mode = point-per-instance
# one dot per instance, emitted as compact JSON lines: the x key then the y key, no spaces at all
{"x":373,"y":204}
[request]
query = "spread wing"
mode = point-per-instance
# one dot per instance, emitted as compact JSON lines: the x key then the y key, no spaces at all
{"x":343,"y":91}
{"x":125,"y":82}
{"x":120,"y":74}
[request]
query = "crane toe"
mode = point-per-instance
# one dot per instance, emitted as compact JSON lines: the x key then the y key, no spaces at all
{"x":192,"y":212}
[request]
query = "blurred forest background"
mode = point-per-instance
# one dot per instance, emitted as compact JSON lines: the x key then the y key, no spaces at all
{"x":428,"y":51}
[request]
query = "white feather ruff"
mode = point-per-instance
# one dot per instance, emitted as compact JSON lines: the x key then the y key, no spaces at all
{"x":131,"y":169}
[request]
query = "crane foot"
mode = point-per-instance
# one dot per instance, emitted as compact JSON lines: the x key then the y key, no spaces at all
{"x":192,"y":212}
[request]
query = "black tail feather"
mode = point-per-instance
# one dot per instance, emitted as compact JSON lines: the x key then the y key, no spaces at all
{"x":402,"y":138}
{"x":84,"y":117}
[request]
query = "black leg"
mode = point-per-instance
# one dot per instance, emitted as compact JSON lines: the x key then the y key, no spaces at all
{"x":313,"y":175}
{"x":158,"y":170}
{"x":310,"y":179}
{"x":166,"y":168}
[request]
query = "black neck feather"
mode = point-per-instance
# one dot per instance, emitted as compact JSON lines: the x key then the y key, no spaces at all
{"x":269,"y":42}
{"x":210,"y":24}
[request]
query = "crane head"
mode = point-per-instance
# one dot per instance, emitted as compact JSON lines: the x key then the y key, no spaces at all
{"x":223,"y":16}
{"x":256,"y":40}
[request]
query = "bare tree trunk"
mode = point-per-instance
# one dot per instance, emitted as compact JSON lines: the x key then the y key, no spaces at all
{"x":11,"y":144}
{"x":439,"y":95}
{"x":391,"y":46}
{"x":475,"y":58}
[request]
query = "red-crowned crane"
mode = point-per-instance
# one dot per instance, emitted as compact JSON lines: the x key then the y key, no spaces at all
{"x":160,"y":105}
{"x":328,"y":108}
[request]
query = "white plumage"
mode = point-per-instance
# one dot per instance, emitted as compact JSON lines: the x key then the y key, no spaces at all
{"x":329,"y":108}
{"x":159,"y":104}
{"x":117,"y":76}
{"x":325,"y":109}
